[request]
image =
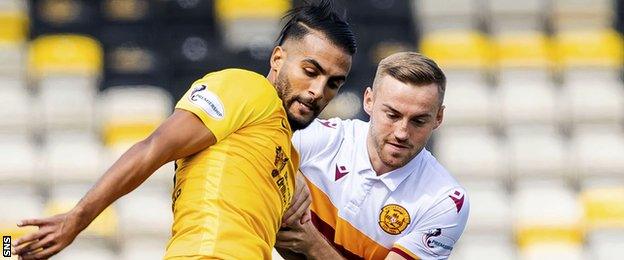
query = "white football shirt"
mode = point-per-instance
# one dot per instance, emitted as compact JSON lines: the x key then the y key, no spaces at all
{"x":418,"y":211}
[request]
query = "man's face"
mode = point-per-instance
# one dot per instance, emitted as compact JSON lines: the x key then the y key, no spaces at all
{"x":402,"y":118}
{"x":309,"y":73}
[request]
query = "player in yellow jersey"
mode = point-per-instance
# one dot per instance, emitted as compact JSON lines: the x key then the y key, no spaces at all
{"x":230,"y":137}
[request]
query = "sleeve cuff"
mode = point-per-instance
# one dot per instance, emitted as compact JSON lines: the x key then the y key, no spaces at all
{"x":404,"y":252}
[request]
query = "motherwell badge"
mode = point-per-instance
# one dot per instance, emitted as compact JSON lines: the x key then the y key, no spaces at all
{"x":394,"y":219}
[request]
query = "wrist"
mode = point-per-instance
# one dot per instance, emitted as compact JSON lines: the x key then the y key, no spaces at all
{"x":80,"y":216}
{"x":317,"y":247}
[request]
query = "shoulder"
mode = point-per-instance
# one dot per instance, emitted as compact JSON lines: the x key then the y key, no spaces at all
{"x":237,"y":82}
{"x":333,"y":129}
{"x":324,"y":137}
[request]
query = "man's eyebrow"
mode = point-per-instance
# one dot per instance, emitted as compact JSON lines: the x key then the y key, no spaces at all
{"x":424,"y":115}
{"x":316,"y":64}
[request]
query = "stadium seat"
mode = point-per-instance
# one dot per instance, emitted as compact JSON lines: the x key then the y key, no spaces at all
{"x":20,"y":159}
{"x":546,"y":213}
{"x":528,"y":102}
{"x":606,"y":244}
{"x":598,"y":151}
{"x":469,"y":104}
{"x":524,"y":49}
{"x":14,"y":19}
{"x":444,"y":15}
{"x":377,"y":41}
{"x":582,"y":14}
{"x":509,"y":15}
{"x":568,"y":251}
{"x":602,"y":103}
{"x":65,"y":54}
{"x":589,"y":48}
{"x":538,"y":152}
{"x":59,"y":99}
{"x":471,"y":247}
{"x":458,"y":49}
{"x":143,"y":248}
{"x":145,"y":201}
{"x":187,"y":12}
{"x":13,"y":35}
{"x":376,"y":11}
{"x":15,"y":108}
{"x":490,"y":210}
{"x":129,"y":11}
{"x":133,"y":50}
{"x":471,"y":152}
{"x":72,"y":157}
{"x":249,"y":24}
{"x":603,"y":205}
{"x":131,"y":113}
{"x":63,"y":16}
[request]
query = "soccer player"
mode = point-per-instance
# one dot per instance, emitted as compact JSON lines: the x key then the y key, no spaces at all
{"x":230,"y":137}
{"x":377,"y":193}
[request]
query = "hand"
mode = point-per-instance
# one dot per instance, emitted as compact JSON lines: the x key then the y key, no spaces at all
{"x":299,"y":210}
{"x":54,"y":234}
{"x":298,"y":238}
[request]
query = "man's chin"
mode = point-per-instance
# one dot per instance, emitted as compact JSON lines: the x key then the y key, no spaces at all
{"x":297,"y":123}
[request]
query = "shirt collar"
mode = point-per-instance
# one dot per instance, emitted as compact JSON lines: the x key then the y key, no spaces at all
{"x":391,"y":179}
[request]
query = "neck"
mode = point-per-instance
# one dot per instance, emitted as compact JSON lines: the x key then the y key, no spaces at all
{"x":272,"y":76}
{"x":379,"y":167}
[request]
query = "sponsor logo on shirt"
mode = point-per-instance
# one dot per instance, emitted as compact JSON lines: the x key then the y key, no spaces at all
{"x":327,"y":123}
{"x":438,"y":244}
{"x":280,"y":177}
{"x":458,"y":199}
{"x":207,"y":101}
{"x":341,"y":171}
{"x":393,"y":219}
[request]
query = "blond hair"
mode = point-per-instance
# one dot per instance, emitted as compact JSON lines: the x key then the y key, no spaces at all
{"x":412,"y":68}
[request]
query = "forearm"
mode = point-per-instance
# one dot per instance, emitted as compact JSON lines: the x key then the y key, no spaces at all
{"x":125,"y":175}
{"x":323,"y":250}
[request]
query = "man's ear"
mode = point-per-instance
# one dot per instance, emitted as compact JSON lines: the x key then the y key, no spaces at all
{"x":439,"y":116}
{"x":277,"y":58}
{"x":368,"y":101}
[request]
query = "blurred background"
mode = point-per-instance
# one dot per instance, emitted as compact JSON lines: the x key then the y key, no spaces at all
{"x":533,"y":122}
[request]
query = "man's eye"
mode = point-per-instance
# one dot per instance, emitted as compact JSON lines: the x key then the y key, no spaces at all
{"x":310,"y":73}
{"x":392,"y":116}
{"x":419,"y":122}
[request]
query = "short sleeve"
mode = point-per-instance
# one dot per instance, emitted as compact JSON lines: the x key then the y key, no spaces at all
{"x":314,"y":139}
{"x":226,"y":101}
{"x":440,"y":228}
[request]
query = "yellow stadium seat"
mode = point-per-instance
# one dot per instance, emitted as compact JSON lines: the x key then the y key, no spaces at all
{"x":65,"y":54}
{"x":236,"y":9}
{"x":105,"y":225}
{"x":603,"y":207}
{"x":132,"y":113}
{"x":543,"y":234}
{"x":524,"y":50}
{"x":458,"y":49}
{"x":589,"y":48}
{"x":546,"y":212}
{"x":14,"y":27}
{"x":127,"y":132}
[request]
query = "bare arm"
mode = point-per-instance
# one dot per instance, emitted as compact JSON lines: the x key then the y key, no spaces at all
{"x":181,"y":135}
{"x":304,"y":241}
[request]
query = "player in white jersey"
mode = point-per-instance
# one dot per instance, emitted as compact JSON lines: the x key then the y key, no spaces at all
{"x":377,"y":193}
